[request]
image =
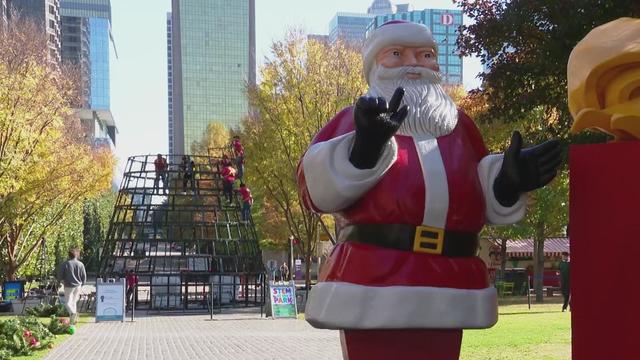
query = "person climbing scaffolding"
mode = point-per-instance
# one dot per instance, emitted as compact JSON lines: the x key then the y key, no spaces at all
{"x":247,"y":202}
{"x":188,"y":173}
{"x":160,"y":165}
{"x":228,"y":178}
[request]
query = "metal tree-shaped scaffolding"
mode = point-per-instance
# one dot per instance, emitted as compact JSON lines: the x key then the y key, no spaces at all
{"x":187,"y":245}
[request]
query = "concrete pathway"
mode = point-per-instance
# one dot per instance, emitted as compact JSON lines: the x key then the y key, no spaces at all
{"x":229,"y":336}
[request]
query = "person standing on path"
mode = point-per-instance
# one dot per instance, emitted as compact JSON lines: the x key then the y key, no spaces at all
{"x":565,"y":286}
{"x":73,"y":275}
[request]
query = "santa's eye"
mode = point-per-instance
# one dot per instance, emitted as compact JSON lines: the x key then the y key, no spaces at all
{"x":428,"y":55}
{"x":396,"y":53}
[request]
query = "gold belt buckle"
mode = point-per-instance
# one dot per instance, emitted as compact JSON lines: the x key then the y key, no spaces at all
{"x":432,"y":237}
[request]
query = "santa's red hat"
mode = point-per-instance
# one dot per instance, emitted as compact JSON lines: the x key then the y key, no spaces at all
{"x":394,"y":32}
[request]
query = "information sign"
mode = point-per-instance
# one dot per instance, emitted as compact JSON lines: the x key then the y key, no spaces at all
{"x":12,"y":290}
{"x":110,"y":300}
{"x":283,"y":300}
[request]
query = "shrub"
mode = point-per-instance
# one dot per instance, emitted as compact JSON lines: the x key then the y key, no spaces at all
{"x":22,"y":336}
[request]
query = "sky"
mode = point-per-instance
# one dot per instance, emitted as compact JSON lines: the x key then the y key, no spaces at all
{"x":139,"y":72}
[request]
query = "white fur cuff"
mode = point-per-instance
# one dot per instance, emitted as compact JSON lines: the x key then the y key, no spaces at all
{"x":341,"y":305}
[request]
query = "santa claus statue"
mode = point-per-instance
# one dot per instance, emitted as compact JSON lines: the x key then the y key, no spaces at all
{"x":413,"y":181}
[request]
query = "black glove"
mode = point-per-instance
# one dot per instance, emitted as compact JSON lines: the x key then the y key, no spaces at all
{"x":527,"y":169}
{"x":376,"y":123}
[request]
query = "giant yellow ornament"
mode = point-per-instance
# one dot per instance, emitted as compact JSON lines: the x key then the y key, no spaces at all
{"x":604,"y":80}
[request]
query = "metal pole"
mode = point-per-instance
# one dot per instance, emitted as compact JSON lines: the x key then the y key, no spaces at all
{"x":133,"y":302}
{"x":529,"y":291}
{"x":291,"y":273}
{"x":211,"y":301}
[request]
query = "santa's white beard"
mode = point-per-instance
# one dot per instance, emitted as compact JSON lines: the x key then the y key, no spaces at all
{"x":431,"y":110}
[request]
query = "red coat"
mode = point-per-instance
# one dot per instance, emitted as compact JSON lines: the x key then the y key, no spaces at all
{"x":426,"y":181}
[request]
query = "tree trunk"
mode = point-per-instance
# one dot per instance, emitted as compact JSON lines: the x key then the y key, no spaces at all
{"x":10,"y":270}
{"x":538,"y":262}
{"x":503,"y":257}
{"x":307,"y":272}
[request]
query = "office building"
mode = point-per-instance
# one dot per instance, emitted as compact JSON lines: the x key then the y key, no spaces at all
{"x":86,"y":37}
{"x":170,"y":83}
{"x":213,"y":60}
{"x":380,"y":7}
{"x":444,"y":25}
{"x":75,"y":50}
{"x":349,"y":27}
{"x":45,"y":13}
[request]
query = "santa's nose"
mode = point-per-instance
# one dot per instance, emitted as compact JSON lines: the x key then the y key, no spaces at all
{"x":410,"y":59}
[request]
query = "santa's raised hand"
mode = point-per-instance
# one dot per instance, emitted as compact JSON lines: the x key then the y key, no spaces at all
{"x":376,"y":122}
{"x":527,"y":169}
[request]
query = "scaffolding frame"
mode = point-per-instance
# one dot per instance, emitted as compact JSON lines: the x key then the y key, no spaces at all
{"x":189,"y":248}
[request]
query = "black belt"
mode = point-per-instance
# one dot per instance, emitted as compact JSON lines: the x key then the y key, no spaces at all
{"x":423,"y":239}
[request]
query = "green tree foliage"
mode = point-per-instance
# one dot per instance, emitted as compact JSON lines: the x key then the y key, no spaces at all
{"x":217,"y":136}
{"x":526,"y":45}
{"x":96,"y":216}
{"x":304,"y":84}
{"x":46,"y":166}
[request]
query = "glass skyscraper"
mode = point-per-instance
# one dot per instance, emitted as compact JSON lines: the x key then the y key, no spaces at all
{"x":350,"y":27}
{"x":170,"y":83}
{"x":444,"y":25}
{"x":213,"y":60}
{"x":99,"y":58}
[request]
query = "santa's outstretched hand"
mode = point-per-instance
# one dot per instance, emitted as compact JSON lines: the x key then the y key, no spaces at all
{"x":527,"y":169}
{"x":376,"y":122}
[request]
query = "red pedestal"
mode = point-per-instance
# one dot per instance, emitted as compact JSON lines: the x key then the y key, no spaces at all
{"x":401,"y":344}
{"x":605,"y":250}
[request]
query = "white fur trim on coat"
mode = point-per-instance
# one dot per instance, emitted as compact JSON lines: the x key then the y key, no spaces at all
{"x":333,"y":182}
{"x":488,"y":169}
{"x":341,"y":305}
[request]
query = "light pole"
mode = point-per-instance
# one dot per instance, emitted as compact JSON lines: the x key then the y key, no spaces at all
{"x":291,"y":238}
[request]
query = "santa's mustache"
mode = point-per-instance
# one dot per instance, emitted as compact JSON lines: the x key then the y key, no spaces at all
{"x":427,"y":75}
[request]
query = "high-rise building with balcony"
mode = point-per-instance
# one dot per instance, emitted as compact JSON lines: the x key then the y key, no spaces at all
{"x":213,"y":60}
{"x":45,"y":13}
{"x":86,"y":36}
{"x":444,"y":25}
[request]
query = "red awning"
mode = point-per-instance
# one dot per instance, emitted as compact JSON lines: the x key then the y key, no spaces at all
{"x":524,"y":247}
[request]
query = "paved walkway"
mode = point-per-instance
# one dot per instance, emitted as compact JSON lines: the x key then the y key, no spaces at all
{"x":230,"y":336}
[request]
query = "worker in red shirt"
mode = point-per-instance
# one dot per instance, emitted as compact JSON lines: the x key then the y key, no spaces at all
{"x":160,"y":165}
{"x":247,"y":201}
{"x":132,"y":281}
{"x":228,"y":178}
{"x":237,"y":146}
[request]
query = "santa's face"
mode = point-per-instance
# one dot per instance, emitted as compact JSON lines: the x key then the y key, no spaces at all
{"x":431,"y":110}
{"x":398,"y":56}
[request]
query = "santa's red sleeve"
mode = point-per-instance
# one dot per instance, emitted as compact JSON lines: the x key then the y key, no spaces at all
{"x":328,"y":182}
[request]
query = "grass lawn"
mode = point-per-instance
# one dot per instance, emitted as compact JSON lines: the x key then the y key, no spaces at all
{"x":40,"y":354}
{"x":544,"y":332}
